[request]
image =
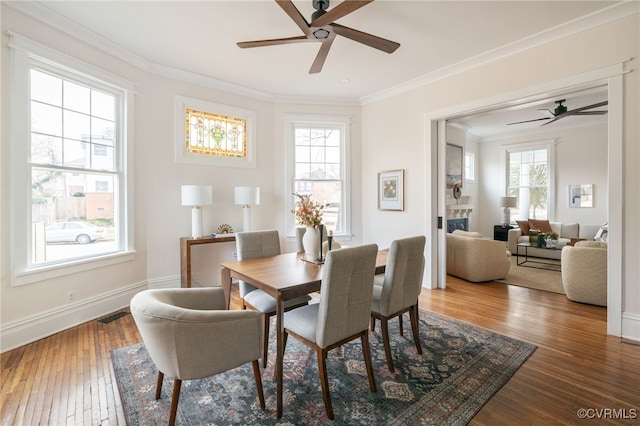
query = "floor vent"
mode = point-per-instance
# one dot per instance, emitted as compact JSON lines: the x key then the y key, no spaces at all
{"x":113,"y":317}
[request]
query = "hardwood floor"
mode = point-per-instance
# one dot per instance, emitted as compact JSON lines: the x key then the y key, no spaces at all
{"x":68,"y":378}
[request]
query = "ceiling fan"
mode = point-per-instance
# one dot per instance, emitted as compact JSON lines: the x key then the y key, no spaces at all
{"x":324,"y":29}
{"x":561,"y":111}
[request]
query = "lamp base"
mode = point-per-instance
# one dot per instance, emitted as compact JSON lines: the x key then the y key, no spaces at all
{"x":196,"y":222}
{"x":506,"y":216}
{"x":246,"y":218}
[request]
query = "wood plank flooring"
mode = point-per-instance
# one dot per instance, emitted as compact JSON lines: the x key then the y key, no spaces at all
{"x":68,"y":378}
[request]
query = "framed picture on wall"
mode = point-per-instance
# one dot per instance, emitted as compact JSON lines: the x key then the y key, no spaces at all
{"x":454,"y":166}
{"x":581,"y":195}
{"x":391,"y":190}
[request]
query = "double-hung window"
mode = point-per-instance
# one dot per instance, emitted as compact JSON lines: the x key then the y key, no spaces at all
{"x":317,"y":162}
{"x":68,"y":164}
{"x":530,"y":178}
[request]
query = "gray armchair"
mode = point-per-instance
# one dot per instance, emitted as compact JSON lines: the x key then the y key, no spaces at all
{"x":253,"y":245}
{"x":343,"y":312}
{"x":189,"y":334}
{"x":396,"y":292}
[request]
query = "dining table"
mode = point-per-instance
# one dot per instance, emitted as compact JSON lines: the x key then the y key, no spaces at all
{"x":285,"y":277}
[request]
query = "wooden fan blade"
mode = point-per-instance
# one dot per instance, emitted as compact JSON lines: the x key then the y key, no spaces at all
{"x":558,"y":117}
{"x":273,"y":42}
{"x":599,"y":104}
{"x":529,"y":121}
{"x":587,"y":113}
{"x":341,"y":10}
{"x":365,"y":38}
{"x":318,"y":63}
{"x":295,"y":15}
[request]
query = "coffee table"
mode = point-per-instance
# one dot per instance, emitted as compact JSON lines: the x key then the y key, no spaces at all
{"x":537,"y":262}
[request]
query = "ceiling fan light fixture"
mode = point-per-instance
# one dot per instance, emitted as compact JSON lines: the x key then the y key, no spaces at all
{"x":321,"y":33}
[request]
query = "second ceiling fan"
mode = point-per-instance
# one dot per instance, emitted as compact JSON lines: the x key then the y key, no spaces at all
{"x":324,"y":29}
{"x":561,"y":111}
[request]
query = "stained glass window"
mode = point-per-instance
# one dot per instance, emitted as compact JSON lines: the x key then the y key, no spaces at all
{"x":216,"y":135}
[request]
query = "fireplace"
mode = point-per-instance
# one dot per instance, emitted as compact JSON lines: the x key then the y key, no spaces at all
{"x":461,"y":223}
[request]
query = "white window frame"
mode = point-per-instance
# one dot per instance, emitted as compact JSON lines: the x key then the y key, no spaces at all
{"x":549,"y":145}
{"x":305,"y":120}
{"x":470,"y":164}
{"x":26,"y":54}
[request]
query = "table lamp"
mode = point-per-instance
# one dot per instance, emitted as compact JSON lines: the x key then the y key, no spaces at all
{"x":246,"y":196}
{"x":196,"y":196}
{"x":507,"y":203}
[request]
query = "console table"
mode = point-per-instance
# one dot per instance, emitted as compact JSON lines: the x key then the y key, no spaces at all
{"x":185,"y":253}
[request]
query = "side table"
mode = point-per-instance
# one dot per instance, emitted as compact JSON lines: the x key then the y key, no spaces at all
{"x":501,"y":232}
{"x":185,"y":253}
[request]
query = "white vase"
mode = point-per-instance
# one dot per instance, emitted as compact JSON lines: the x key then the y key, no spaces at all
{"x":311,"y":243}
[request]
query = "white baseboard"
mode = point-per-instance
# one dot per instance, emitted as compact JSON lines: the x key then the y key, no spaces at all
{"x":166,"y":282}
{"x":631,"y":326}
{"x":27,"y":330}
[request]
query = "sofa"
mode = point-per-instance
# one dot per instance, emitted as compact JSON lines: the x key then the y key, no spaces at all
{"x":584,"y":272}
{"x":565,"y":231}
{"x":474,"y":258}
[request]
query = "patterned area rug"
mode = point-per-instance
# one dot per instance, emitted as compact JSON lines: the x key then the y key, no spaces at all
{"x":461,"y":368}
{"x":539,"y":279}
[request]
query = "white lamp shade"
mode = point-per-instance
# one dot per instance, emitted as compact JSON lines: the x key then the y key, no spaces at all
{"x":247,"y":195}
{"x":197,"y":195}
{"x":508,"y":202}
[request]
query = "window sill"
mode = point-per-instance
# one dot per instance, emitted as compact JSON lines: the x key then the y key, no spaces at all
{"x":54,"y":271}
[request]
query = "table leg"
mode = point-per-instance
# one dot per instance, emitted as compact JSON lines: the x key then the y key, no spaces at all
{"x":225,"y":283}
{"x":279,"y":354}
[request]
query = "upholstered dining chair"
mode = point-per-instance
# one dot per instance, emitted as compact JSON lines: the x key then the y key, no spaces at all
{"x":190,"y":334}
{"x":396,"y":292}
{"x":342,"y":314}
{"x":253,"y":245}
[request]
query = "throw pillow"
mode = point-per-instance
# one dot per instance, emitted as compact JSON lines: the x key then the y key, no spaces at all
{"x":524,"y":226}
{"x":543,"y":225}
{"x":570,"y":230}
{"x":601,"y":235}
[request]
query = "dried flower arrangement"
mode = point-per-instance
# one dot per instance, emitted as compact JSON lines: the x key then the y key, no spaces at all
{"x":307,"y":211}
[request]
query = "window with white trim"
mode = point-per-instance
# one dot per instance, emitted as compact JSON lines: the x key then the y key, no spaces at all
{"x":68,"y":164}
{"x":530,"y":179}
{"x":469,"y":166}
{"x":317,"y":164}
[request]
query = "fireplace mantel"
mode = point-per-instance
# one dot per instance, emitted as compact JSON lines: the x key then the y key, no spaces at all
{"x":455,"y":211}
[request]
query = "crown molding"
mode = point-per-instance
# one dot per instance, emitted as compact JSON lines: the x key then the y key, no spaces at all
{"x":40,"y":12}
{"x":601,"y":17}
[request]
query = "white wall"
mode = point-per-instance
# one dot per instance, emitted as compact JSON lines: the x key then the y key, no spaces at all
{"x":33,"y":311}
{"x":580,"y":158}
{"x":403,"y":115}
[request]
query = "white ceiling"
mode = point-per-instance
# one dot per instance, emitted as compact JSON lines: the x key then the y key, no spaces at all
{"x":200,"y":38}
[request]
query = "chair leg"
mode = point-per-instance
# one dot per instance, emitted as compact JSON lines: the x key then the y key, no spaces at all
{"x":265,"y":339}
{"x":373,"y":323}
{"x":159,"y":384}
{"x":413,"y":314}
{"x":400,"y":321}
{"x":174,"y":401}
{"x":386,"y":343}
{"x":324,"y":381}
{"x":366,"y":352}
{"x":256,"y":374}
